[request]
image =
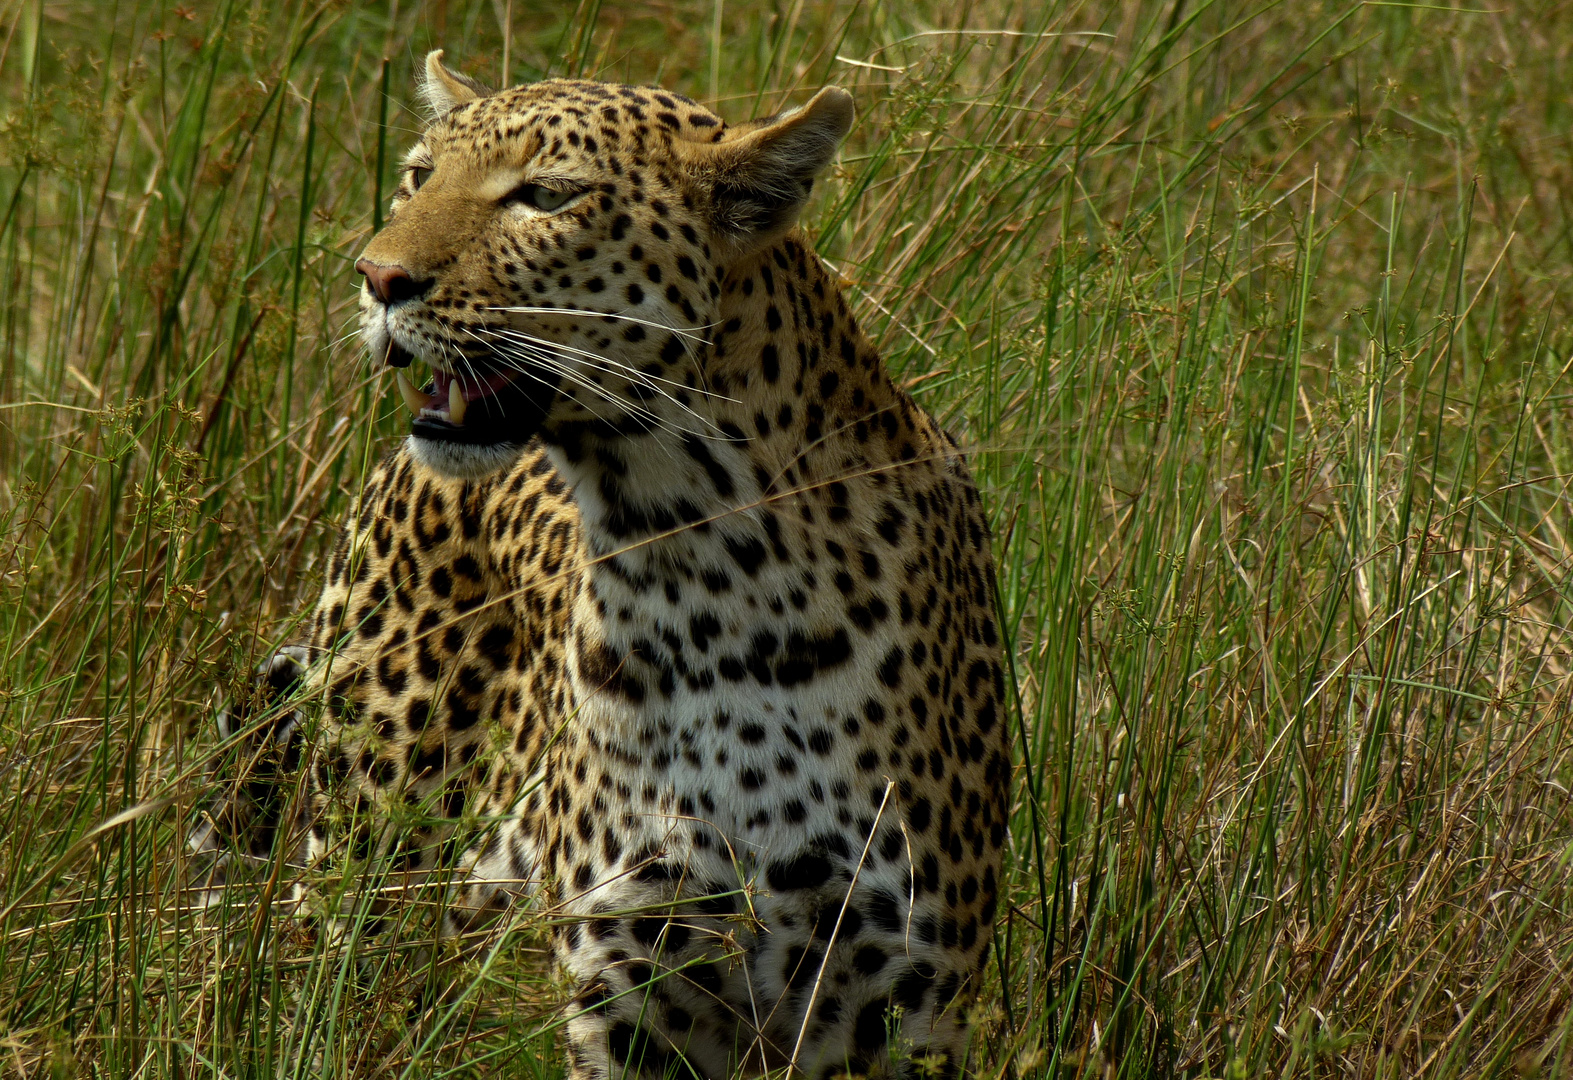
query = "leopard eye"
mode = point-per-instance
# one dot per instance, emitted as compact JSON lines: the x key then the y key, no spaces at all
{"x":418,"y":175}
{"x":542,"y":198}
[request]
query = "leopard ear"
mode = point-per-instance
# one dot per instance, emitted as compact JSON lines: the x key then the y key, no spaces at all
{"x":445,"y":89}
{"x":760,"y":177}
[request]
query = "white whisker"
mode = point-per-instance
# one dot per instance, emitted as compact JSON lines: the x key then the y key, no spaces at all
{"x":515,"y":357}
{"x":518,"y":361}
{"x":546,"y":353}
{"x":686,"y":335}
{"x":685,"y":332}
{"x":631,"y":371}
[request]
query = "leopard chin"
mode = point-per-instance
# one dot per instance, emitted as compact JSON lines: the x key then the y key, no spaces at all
{"x":464,"y":461}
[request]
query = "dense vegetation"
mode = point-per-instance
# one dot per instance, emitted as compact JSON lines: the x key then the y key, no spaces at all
{"x":1256,"y":320}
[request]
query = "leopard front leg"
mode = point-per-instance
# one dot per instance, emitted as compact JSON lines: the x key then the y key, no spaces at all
{"x":256,"y":771}
{"x":692,"y":964}
{"x":659,"y":958}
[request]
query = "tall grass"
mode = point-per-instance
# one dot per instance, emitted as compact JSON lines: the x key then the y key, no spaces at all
{"x":1255,"y":320}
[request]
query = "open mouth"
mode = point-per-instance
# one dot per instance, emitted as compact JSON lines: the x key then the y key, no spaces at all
{"x":478,"y":408}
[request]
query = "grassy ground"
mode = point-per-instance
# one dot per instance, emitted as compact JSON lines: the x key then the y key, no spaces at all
{"x":1256,"y":317}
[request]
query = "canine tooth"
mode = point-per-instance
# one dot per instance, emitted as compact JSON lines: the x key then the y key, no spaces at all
{"x":414,"y":400}
{"x":456,"y":403}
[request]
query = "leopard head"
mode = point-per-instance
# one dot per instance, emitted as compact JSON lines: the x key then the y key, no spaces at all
{"x":555,"y":255}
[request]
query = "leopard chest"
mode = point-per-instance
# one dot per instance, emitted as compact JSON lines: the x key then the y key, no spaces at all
{"x":731,"y":706}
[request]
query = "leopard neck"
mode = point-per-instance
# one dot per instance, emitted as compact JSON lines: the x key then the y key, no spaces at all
{"x":792,"y":402}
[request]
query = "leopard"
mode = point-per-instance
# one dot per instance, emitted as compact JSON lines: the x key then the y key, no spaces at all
{"x":673,"y":616}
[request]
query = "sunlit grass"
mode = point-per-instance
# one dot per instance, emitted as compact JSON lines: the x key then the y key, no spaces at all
{"x":1254,"y":321}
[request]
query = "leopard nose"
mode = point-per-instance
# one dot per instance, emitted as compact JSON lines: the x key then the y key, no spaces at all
{"x":391,"y":284}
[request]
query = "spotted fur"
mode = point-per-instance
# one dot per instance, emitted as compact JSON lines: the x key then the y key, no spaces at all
{"x":709,"y":639}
